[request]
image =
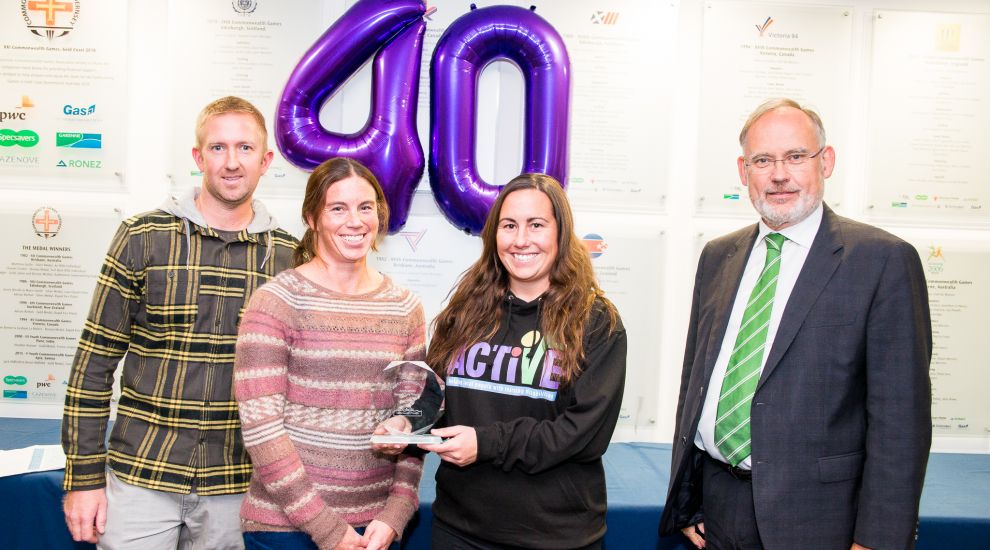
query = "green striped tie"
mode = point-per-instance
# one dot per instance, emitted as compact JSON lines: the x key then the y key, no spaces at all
{"x":743,"y":372}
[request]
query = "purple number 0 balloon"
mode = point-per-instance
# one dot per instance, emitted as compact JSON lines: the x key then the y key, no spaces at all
{"x":388,"y":144}
{"x":471,"y":42}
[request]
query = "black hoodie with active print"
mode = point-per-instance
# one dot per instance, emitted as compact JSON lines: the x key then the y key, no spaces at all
{"x":538,"y":481}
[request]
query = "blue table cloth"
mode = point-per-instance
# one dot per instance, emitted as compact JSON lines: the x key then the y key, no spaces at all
{"x":955,"y":506}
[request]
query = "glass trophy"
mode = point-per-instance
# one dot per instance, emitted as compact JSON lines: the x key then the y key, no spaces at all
{"x":416,"y":379}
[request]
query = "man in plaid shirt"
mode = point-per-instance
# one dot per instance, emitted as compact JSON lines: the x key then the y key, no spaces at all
{"x":168,"y":300}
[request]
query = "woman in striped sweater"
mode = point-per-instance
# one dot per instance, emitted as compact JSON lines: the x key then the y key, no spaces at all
{"x":311,"y":383}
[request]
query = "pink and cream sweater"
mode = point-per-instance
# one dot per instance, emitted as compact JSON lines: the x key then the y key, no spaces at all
{"x":311,"y":386}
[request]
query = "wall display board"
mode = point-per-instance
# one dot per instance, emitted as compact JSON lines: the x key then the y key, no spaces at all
{"x":752,"y":52}
{"x":245,"y":49}
{"x":958,"y":294}
{"x":929,"y":114}
{"x":63,"y":80}
{"x":627,"y":262}
{"x":427,"y":256}
{"x":49,"y":260}
{"x":622,"y":59}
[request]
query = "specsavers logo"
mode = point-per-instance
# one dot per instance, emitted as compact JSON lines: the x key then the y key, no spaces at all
{"x":21,"y":138}
{"x":50,"y":19}
{"x":12,"y":380}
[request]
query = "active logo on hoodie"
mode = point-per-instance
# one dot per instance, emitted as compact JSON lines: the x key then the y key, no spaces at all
{"x":525,"y":369}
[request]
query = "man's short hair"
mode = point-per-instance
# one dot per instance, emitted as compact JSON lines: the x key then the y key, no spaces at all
{"x":230,"y":104}
{"x":778,"y":103}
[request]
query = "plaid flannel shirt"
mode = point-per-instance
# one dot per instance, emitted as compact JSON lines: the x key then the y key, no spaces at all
{"x":169,"y":296}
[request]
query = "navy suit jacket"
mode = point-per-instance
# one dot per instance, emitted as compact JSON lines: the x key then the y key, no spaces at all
{"x":841,"y":418}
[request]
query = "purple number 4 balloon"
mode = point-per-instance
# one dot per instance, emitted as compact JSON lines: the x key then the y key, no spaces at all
{"x":388,"y":144}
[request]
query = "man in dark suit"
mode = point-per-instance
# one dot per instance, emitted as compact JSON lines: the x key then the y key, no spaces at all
{"x":804,"y":416}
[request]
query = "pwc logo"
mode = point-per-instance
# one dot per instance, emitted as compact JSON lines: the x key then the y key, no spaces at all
{"x":12,"y":116}
{"x":19,"y":113}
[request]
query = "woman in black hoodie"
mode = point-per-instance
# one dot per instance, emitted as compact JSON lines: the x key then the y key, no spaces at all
{"x":534,"y":359}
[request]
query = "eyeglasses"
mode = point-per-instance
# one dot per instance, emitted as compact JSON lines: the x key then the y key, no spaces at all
{"x":762,"y":163}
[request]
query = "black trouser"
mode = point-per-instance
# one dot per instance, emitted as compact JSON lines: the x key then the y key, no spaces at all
{"x":446,"y":537}
{"x":730,"y":517}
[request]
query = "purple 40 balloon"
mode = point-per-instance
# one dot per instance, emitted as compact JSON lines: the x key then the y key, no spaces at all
{"x":388,"y":144}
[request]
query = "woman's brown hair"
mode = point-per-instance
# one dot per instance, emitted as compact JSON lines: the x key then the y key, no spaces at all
{"x":474,"y":310}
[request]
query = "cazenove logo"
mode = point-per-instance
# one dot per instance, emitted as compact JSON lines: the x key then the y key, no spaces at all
{"x":19,"y":160}
{"x":15,"y":380}
{"x":22,"y":138}
{"x":46,"y":395}
{"x":76,"y":140}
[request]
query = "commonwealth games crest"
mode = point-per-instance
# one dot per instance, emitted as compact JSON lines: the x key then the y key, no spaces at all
{"x":50,"y":19}
{"x":244,"y":6}
{"x":46,"y":221}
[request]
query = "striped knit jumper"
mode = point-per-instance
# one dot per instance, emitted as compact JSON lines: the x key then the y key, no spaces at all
{"x":310,"y":387}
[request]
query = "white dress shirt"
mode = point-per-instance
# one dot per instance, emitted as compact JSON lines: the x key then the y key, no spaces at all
{"x":792,"y":256}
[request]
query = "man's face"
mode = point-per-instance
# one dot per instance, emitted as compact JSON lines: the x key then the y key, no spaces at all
{"x":785,"y":194}
{"x":233,"y":157}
